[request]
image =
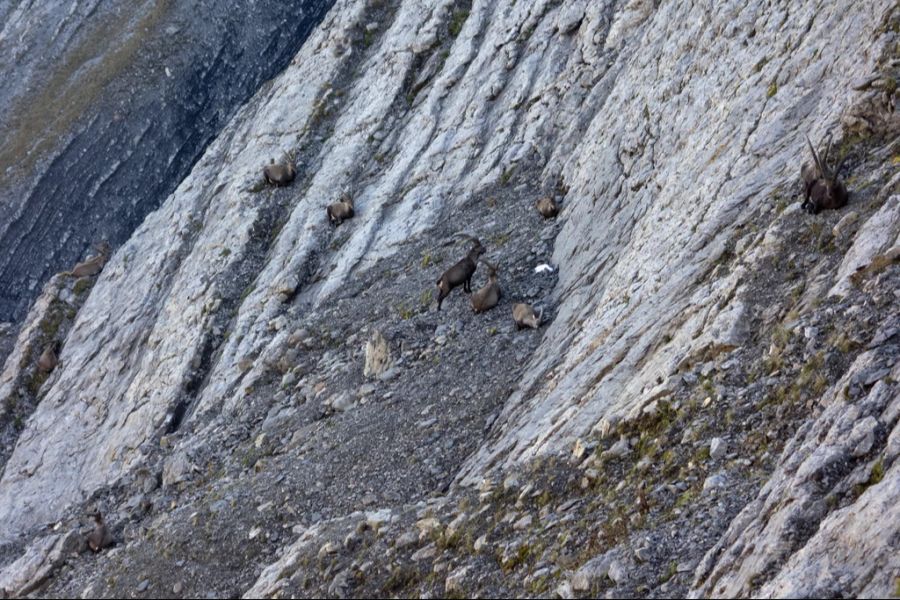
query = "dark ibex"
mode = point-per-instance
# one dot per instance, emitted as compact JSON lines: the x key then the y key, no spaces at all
{"x":460,"y":273}
{"x":338,"y":211}
{"x":100,"y":537}
{"x":547,"y":207}
{"x":822,"y":188}
{"x":524,"y":316}
{"x":94,"y":264}
{"x":282,"y":173}
{"x":487,"y":297}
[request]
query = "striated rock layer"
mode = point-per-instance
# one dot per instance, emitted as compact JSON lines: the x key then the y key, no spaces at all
{"x":672,"y":131}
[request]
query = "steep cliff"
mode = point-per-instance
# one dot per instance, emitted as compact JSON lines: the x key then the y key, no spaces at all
{"x":711,"y":406}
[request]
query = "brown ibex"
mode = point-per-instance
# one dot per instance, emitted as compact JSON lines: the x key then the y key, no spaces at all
{"x":48,"y":359}
{"x":488,"y":296}
{"x":100,"y":537}
{"x":282,"y":173}
{"x":338,"y":211}
{"x":822,"y":188}
{"x":94,"y":264}
{"x":524,"y":316}
{"x":460,"y":273}
{"x":547,"y":207}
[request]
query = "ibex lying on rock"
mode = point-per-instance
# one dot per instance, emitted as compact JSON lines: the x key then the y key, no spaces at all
{"x":100,"y":537}
{"x":282,"y":173}
{"x":460,"y":273}
{"x":524,"y":316}
{"x":488,"y":296}
{"x":94,"y":264}
{"x":338,"y":211}
{"x":822,"y":188}
{"x":547,"y":207}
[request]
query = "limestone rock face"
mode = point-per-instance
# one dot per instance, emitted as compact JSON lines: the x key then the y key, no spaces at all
{"x":674,"y":132}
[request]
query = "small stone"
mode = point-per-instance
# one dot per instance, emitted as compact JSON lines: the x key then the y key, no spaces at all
{"x":617,"y":450}
{"x":328,"y":548}
{"x":178,"y":588}
{"x":592,"y":573}
{"x":255,"y":532}
{"x":375,"y":519}
{"x":686,"y":567}
{"x":846,"y":223}
{"x":142,"y":586}
{"x":480,"y":543}
{"x":714,"y":481}
{"x":425,"y":553}
{"x":862,"y":438}
{"x":456,"y":524}
{"x":579,"y":450}
{"x":617,"y":573}
{"x":717,"y":448}
{"x":454,"y":582}
{"x":523,"y":523}
{"x":564,"y":590}
{"x":378,"y":356}
{"x":341,"y":402}
{"x":511,"y":483}
{"x":407,"y":539}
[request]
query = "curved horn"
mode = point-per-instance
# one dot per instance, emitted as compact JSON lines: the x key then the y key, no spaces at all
{"x":815,"y":156}
{"x":834,"y":177}
{"x":827,"y":149}
{"x":472,"y":239}
{"x":490,"y":266}
{"x":541,"y":316}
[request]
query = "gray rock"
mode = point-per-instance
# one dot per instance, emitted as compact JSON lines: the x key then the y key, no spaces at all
{"x":717,"y":448}
{"x":593,"y":572}
{"x":378,"y":356}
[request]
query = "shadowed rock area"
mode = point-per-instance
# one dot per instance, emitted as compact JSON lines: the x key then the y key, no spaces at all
{"x":106,"y":106}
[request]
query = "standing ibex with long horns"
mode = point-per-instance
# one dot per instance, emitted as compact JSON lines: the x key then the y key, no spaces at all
{"x":822,"y":188}
{"x":460,"y":273}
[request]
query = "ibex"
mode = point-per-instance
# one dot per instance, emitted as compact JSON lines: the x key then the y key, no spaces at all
{"x":100,"y":537}
{"x":48,"y":359}
{"x":488,"y":296}
{"x":822,"y":188}
{"x":547,"y":207}
{"x":94,"y":264}
{"x":338,"y":211}
{"x":524,"y":316}
{"x":282,"y":173}
{"x":460,"y":273}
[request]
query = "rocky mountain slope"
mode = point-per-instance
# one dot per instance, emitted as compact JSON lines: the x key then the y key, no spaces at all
{"x":711,"y":406}
{"x":106,"y":106}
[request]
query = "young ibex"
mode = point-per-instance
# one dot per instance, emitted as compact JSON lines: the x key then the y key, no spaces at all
{"x":100,"y":537}
{"x":282,"y":173}
{"x":822,"y":188}
{"x":338,"y":211}
{"x":547,"y":207}
{"x":94,"y":264}
{"x":487,"y":297}
{"x":460,"y":273}
{"x":524,"y":316}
